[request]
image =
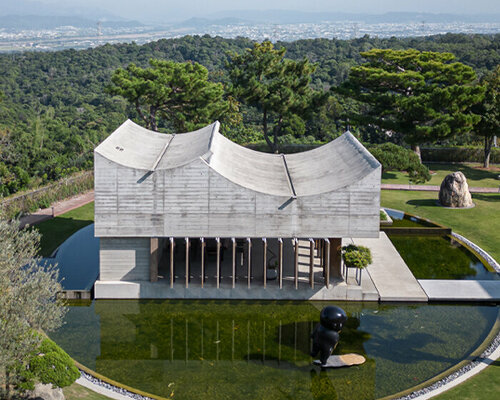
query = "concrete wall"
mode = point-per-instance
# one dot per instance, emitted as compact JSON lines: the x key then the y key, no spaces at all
{"x":124,"y":259}
{"x":194,"y":200}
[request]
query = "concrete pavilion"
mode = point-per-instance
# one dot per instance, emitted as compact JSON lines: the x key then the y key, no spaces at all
{"x":194,"y":215}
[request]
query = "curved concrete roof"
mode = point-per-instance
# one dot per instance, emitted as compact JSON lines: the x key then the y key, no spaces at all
{"x":340,"y":163}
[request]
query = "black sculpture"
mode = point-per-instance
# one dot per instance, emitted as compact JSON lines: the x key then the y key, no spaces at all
{"x":326,"y":334}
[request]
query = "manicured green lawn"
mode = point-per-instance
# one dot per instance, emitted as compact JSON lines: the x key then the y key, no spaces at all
{"x":476,"y":176}
{"x":78,"y":392}
{"x":58,"y":229}
{"x":484,"y":386}
{"x":480,"y":224}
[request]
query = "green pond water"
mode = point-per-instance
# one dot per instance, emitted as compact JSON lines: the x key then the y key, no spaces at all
{"x":260,"y":350}
{"x":436,"y":257}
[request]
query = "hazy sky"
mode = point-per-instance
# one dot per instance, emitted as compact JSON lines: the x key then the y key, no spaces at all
{"x":175,"y":9}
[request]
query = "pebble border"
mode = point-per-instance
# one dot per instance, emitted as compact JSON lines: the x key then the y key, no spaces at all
{"x":489,"y":259}
{"x":414,"y":395}
{"x":116,"y":389}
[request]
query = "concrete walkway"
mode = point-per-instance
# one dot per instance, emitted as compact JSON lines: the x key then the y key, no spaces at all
{"x":433,"y":188}
{"x":58,"y":208}
{"x":453,"y":290}
{"x":389,"y":273}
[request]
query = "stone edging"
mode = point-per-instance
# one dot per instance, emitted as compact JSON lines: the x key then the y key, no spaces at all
{"x":118,"y":390}
{"x":489,"y":259}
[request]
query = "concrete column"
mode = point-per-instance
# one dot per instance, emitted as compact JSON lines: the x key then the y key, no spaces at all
{"x":326,"y":263}
{"x":249,"y":261}
{"x":280,"y":262}
{"x":233,"y":240}
{"x":311,"y":263}
{"x":172,"y":245}
{"x":218,"y":262}
{"x":153,"y":260}
{"x":187,"y":262}
{"x":203,"y":244}
{"x":336,"y":257}
{"x":295,"y":242}
{"x":264,"y":260}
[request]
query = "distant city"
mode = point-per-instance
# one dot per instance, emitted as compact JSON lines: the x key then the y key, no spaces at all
{"x":46,"y":33}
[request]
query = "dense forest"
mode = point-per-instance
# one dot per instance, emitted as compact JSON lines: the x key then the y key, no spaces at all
{"x":55,"y":108}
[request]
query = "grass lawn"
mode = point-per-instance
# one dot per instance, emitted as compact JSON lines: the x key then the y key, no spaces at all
{"x":56,"y":230}
{"x":483,"y":386}
{"x":475,"y":174}
{"x":480,"y":224}
{"x":78,"y":392}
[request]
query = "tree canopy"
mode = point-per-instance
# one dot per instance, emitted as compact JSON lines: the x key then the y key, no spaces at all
{"x":277,"y":87}
{"x":424,"y":96}
{"x":489,"y":110}
{"x":177,"y":92}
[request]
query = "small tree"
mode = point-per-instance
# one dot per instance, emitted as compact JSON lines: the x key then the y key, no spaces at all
{"x":424,"y":96}
{"x":489,"y":110}
{"x":28,"y":300}
{"x":176,"y":92}
{"x":277,"y":87}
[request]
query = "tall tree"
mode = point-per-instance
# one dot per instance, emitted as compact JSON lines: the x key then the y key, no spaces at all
{"x":489,"y":110}
{"x":424,"y":96}
{"x":177,"y":92}
{"x":277,"y":87}
{"x":28,"y":301}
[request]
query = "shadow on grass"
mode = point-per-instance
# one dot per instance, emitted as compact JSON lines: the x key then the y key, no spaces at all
{"x":492,"y":198}
{"x":469,"y":172}
{"x":388,"y":175}
{"x":423,"y":203}
{"x":55,"y":231}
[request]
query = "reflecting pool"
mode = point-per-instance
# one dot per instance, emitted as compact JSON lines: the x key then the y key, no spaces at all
{"x":260,"y":350}
{"x":436,"y":257}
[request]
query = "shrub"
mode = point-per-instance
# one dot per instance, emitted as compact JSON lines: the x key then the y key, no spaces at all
{"x":48,"y":364}
{"x":397,"y":158}
{"x":356,"y":256}
{"x":458,"y":154}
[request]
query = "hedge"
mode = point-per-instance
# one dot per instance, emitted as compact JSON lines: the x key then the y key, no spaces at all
{"x":458,"y":154}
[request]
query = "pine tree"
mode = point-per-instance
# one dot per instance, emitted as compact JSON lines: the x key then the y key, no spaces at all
{"x":489,"y":110}
{"x":176,"y":92}
{"x":277,"y":87}
{"x":425,"y":96}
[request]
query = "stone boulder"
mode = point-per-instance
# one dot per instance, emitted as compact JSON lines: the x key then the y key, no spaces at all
{"x":454,"y":191}
{"x":46,"y":392}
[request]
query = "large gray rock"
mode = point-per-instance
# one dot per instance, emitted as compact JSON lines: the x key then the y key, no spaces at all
{"x":45,"y":392}
{"x":454,"y":191}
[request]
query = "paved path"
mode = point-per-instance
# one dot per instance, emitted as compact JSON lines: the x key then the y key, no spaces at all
{"x":453,"y":290}
{"x":432,"y":188}
{"x":58,"y":208}
{"x":389,"y":273}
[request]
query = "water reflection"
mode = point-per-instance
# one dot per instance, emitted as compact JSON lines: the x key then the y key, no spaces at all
{"x":233,"y":350}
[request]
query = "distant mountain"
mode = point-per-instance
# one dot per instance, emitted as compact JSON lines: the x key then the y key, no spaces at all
{"x":203,"y":22}
{"x":294,"y":17}
{"x":36,"y":22}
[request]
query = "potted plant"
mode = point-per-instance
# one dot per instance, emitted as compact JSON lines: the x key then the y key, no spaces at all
{"x":356,"y":257}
